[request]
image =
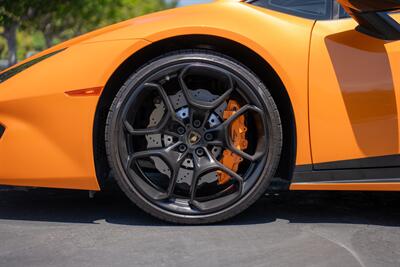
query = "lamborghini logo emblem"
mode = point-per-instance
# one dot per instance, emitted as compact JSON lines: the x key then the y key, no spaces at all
{"x":194,"y":137}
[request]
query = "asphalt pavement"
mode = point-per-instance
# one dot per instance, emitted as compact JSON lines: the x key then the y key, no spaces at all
{"x":43,"y":227}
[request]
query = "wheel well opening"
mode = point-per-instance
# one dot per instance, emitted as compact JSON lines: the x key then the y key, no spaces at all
{"x":212,"y":43}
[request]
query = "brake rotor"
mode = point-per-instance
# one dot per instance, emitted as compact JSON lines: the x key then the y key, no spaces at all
{"x":237,"y":133}
{"x":229,"y":159}
{"x":185,"y":173}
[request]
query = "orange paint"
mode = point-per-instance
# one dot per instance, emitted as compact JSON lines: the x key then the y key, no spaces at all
{"x":348,"y":81}
{"x":353,"y":106}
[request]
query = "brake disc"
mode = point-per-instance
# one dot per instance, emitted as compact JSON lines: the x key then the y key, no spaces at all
{"x":155,"y":140}
{"x":185,"y":174}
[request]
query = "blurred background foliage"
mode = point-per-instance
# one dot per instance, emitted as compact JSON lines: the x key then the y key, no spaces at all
{"x":29,"y":26}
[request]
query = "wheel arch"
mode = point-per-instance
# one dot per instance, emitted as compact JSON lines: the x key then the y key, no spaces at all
{"x":233,"y":49}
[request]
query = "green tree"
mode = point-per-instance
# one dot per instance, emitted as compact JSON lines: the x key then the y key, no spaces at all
{"x":74,"y":17}
{"x":12,"y":14}
{"x":58,"y":20}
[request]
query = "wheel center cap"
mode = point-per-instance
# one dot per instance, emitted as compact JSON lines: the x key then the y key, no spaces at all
{"x":194,"y":137}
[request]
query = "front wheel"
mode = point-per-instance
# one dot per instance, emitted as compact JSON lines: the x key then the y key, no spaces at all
{"x":193,"y":137}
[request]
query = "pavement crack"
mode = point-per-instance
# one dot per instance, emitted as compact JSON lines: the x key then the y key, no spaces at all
{"x":340,"y":244}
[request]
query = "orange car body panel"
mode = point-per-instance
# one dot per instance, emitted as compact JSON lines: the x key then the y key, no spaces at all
{"x":49,"y":125}
{"x":49,"y":108}
{"x":225,"y":19}
{"x":354,"y":98}
{"x":356,"y":73}
{"x":48,"y":141}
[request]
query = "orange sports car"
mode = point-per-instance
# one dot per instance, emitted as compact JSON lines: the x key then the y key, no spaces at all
{"x":196,"y":111}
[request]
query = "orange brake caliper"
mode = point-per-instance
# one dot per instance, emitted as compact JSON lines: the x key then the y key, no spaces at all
{"x":238,"y":131}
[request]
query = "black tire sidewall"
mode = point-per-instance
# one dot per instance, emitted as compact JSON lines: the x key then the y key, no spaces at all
{"x":274,"y":146}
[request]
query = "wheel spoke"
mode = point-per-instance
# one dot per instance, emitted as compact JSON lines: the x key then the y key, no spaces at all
{"x":172,"y":158}
{"x":224,"y":138}
{"x":178,"y":112}
{"x":239,"y":113}
{"x":167,"y":154}
{"x":152,"y":130}
{"x":169,"y":117}
{"x":206,"y":165}
{"x":175,"y":165}
{"x":164,"y":96}
{"x":173,"y":179}
{"x":174,"y":176}
{"x":167,"y":101}
{"x":208,"y":105}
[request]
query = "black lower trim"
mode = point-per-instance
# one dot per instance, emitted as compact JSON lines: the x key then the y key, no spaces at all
{"x":2,"y":130}
{"x":349,"y":176}
{"x":373,"y":170}
{"x":372,"y":162}
{"x":303,"y":168}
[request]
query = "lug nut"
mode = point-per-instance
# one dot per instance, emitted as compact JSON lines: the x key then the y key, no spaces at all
{"x":182,"y":148}
{"x":199,"y":152}
{"x":197,"y":123}
{"x":209,"y":137}
{"x":180,"y":130}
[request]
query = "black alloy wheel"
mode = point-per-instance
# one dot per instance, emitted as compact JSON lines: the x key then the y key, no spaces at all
{"x":167,"y":134}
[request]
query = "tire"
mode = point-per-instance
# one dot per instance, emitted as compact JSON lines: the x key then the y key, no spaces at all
{"x":153,"y":174}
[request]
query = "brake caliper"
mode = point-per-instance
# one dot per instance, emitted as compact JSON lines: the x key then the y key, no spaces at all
{"x":238,"y":131}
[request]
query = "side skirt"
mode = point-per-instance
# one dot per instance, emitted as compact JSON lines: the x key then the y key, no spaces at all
{"x":343,"y":177}
{"x":345,"y":186}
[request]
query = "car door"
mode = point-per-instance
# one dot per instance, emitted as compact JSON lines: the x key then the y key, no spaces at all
{"x":354,"y":98}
